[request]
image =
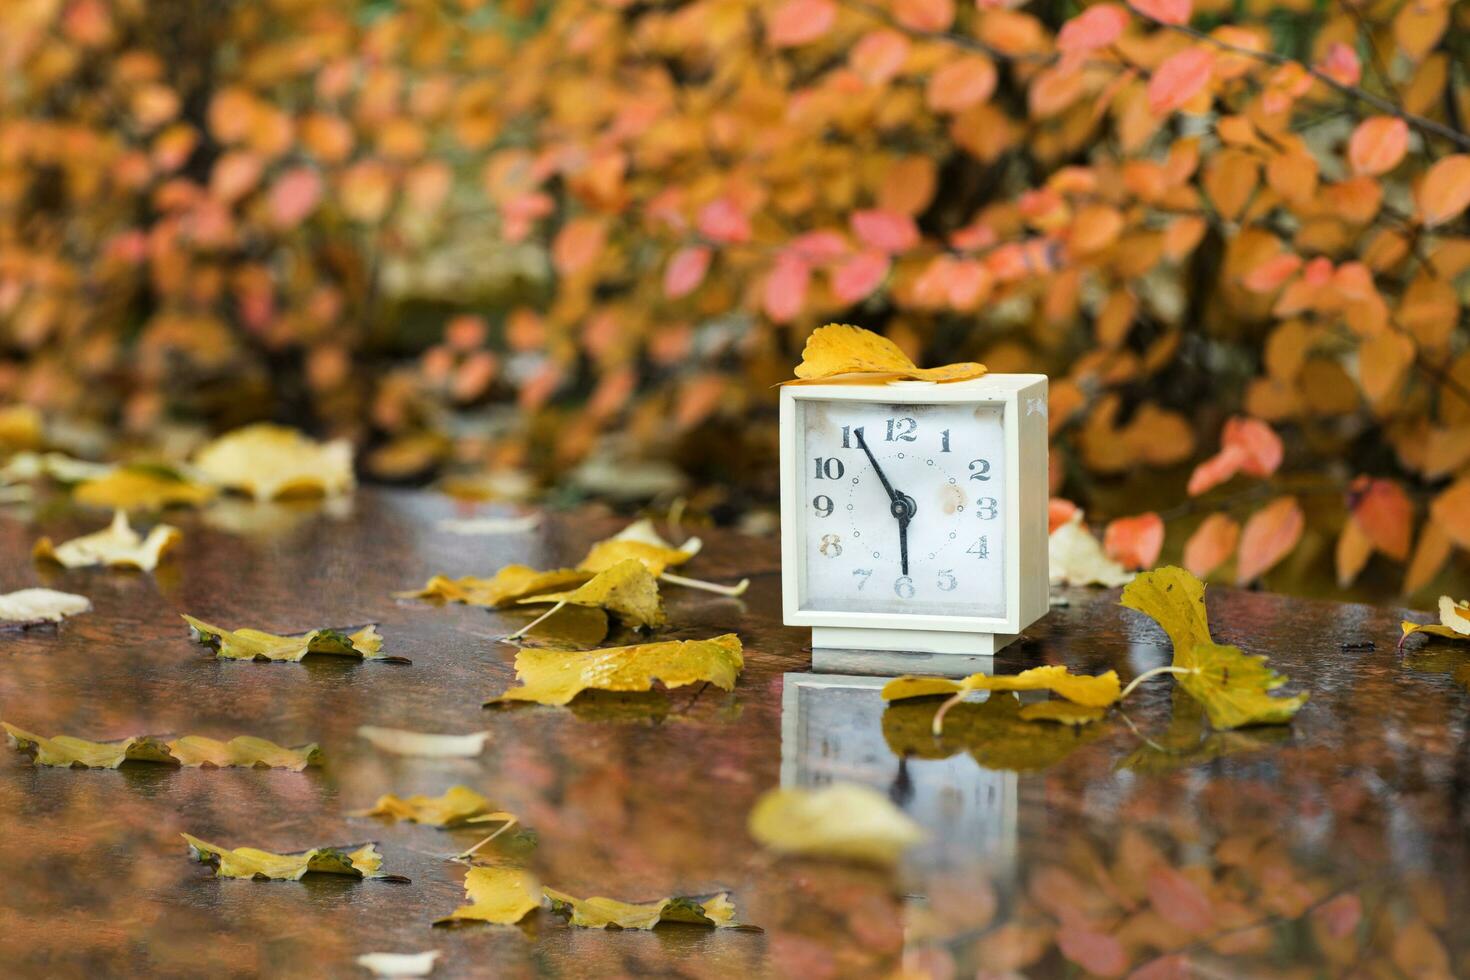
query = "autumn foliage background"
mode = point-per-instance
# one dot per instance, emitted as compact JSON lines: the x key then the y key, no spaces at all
{"x":565,"y":249}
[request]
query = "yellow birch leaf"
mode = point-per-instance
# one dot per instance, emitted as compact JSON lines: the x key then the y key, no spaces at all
{"x":41,"y":606}
{"x":716,"y":911}
{"x":141,"y":488}
{"x":250,"y":644}
{"x":641,"y":542}
{"x":191,"y":751}
{"x":510,"y":584}
{"x":363,"y":861}
{"x":500,"y":896}
{"x":628,"y":590}
{"x":556,"y":677}
{"x":1061,"y":712}
{"x":1233,"y":686}
{"x":1454,"y":621}
{"x":847,"y":821}
{"x":1097,"y":691}
{"x":118,"y":545}
{"x":269,"y":461}
{"x":842,"y":351}
{"x":459,"y":805}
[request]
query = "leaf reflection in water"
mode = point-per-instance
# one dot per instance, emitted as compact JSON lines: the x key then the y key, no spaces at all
{"x":993,"y":731}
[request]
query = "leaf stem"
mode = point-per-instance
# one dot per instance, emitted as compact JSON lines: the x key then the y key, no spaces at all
{"x":509,"y":823}
{"x":694,"y":583}
{"x":937,"y":728}
{"x":535,"y":622}
{"x":1166,"y":669}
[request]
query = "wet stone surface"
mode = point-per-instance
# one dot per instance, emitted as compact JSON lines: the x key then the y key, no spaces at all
{"x":1144,"y":843}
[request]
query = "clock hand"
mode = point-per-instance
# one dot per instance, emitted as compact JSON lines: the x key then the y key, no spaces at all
{"x":901,"y":505}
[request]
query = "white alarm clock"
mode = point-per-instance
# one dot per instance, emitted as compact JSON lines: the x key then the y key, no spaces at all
{"x":914,"y":519}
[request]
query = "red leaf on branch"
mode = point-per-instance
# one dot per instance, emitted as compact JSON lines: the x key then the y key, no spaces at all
{"x":885,"y":231}
{"x":1096,"y":27}
{"x":1247,"y":446}
{"x":1135,"y":542}
{"x":1341,"y":64}
{"x":1377,"y":145}
{"x":578,"y":244}
{"x":878,"y":57}
{"x":798,"y":22}
{"x":1096,"y":952}
{"x":294,"y":196}
{"x":1384,"y":512}
{"x":1058,"y":512}
{"x":924,"y":15}
{"x":1179,"y":901}
{"x":1273,"y":273}
{"x":1211,"y":544}
{"x":1179,"y":79}
{"x":960,"y":84}
{"x":856,"y":278}
{"x":721,"y":221}
{"x":1164,"y":11}
{"x":786,"y":287}
{"x":1268,"y":537}
{"x":686,"y":270}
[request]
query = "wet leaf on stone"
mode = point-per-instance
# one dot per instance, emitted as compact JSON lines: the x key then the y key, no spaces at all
{"x":243,"y":751}
{"x":556,"y":677}
{"x":116,"y":546}
{"x":360,"y":861}
{"x":1097,"y":691}
{"x":627,"y":590}
{"x":458,"y":806}
{"x":505,"y":588}
{"x":499,"y":896}
{"x":846,"y":821}
{"x":715,"y":911}
{"x":251,"y":644}
{"x":640,"y":541}
{"x":1454,"y":622}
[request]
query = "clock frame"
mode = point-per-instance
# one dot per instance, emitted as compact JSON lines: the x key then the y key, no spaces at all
{"x":849,"y":640}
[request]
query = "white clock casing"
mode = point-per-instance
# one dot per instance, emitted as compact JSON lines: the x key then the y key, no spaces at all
{"x":969,"y":594}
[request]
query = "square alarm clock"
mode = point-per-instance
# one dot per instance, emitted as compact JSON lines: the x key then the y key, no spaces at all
{"x":914,"y":520}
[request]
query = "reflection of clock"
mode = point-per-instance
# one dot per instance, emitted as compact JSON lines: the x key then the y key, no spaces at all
{"x":914,"y":514}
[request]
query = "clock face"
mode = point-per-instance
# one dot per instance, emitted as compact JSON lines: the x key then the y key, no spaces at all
{"x":902,"y":507}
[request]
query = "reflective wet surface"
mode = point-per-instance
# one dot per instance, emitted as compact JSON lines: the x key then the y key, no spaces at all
{"x":1145,"y":843}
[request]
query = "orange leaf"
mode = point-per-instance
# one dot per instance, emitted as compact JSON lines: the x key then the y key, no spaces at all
{"x":1353,"y":551}
{"x":1058,"y":512}
{"x":1096,"y":27}
{"x":1134,"y":542}
{"x":1095,"y":228}
{"x":1096,"y":952}
{"x":1164,"y":11}
{"x":798,"y":22}
{"x":785,"y":290}
{"x":924,"y":15}
{"x":1341,"y":64}
{"x":960,"y":84}
{"x":1272,"y":274}
{"x":578,"y":244}
{"x":879,"y":56}
{"x":686,"y":270}
{"x":293,"y":196}
{"x":1377,"y":145}
{"x":1268,"y":537}
{"x":1247,"y":446}
{"x":1384,"y":512}
{"x":885,"y":231}
{"x":1382,"y":360}
{"x":1210,"y":544}
{"x":1451,"y":511}
{"x":1430,"y":554}
{"x":1179,"y":79}
{"x":1445,"y":190}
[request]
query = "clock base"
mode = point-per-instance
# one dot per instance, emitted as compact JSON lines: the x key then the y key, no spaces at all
{"x":890,"y":652}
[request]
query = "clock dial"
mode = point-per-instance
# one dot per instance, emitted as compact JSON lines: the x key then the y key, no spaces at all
{"x":903,"y":508}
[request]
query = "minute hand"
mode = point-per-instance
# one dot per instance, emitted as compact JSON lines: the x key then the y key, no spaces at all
{"x":901,"y":505}
{"x":893,"y":494}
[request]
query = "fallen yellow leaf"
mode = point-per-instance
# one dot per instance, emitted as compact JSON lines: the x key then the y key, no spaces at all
{"x":27,"y":606}
{"x":993,"y":731}
{"x":640,"y":541}
{"x":118,"y":545}
{"x":1233,"y":686}
{"x":269,"y":461}
{"x":1454,"y":621}
{"x":243,"y":751}
{"x":141,"y":488}
{"x":250,"y":644}
{"x":1095,"y":691}
{"x":249,"y":862}
{"x":500,"y":896}
{"x":844,"y":820}
{"x":458,"y":806}
{"x":841,"y":351}
{"x":511,"y":583}
{"x":556,"y":677}
{"x":628,"y":590}
{"x":716,"y":911}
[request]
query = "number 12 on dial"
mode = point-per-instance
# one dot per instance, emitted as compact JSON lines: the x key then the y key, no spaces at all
{"x":915,"y":512}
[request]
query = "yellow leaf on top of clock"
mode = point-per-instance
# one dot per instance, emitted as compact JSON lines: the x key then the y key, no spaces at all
{"x":628,"y":590}
{"x":847,"y":821}
{"x":363,"y":861}
{"x":716,"y":911}
{"x":252,"y":644}
{"x":843,"y":352}
{"x":118,"y":545}
{"x":505,"y":588}
{"x":499,"y":896}
{"x":1454,"y":621}
{"x":141,"y":488}
{"x":457,"y":806}
{"x":555,"y":677}
{"x":641,"y":541}
{"x":269,"y":461}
